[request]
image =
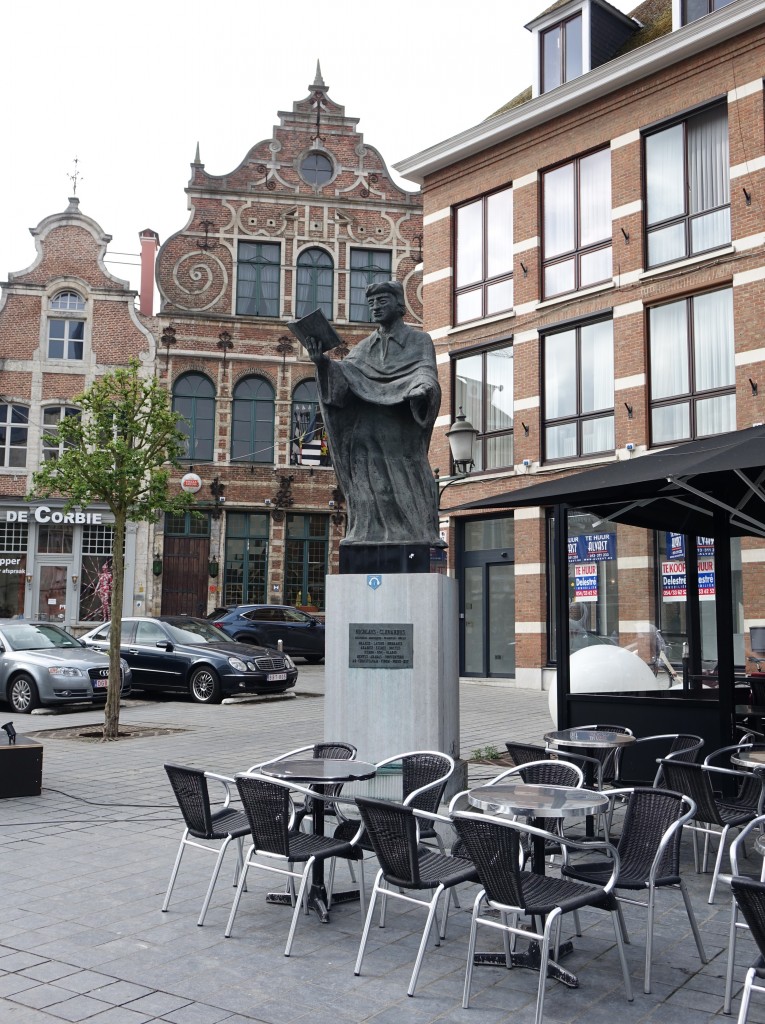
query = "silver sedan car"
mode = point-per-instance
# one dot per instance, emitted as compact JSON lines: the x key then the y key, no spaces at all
{"x":40,"y":663}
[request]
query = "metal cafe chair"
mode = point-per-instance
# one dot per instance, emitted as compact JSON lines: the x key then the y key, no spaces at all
{"x":328,"y":751}
{"x":521,"y":753}
{"x":649,"y":857}
{"x":677,"y":746}
{"x":205,"y":825}
{"x":277,"y":847}
{"x":408,"y":868}
{"x":757,"y":827}
{"x":749,"y":896}
{"x":424,"y":775}
{"x":494,"y":847}
{"x":715,"y":815}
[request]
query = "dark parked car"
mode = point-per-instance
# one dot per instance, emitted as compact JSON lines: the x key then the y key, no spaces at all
{"x":189,"y":655}
{"x":40,"y":663}
{"x":301,"y":634}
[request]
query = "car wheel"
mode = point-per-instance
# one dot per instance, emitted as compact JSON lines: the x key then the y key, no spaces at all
{"x":22,"y":695}
{"x":314,"y":659}
{"x":204,"y":686}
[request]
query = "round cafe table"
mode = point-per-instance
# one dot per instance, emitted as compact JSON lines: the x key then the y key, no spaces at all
{"x":589,"y":741}
{"x":537,"y":803}
{"x":318,"y":773}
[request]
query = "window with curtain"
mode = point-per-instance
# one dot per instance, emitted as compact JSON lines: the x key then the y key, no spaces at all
{"x":315,"y":273}
{"x":252,"y":421}
{"x":257,"y":279}
{"x":579,"y":391}
{"x":687,"y":183}
{"x":309,"y":445}
{"x":14,"y":427}
{"x":695,"y":9}
{"x":305,"y":564}
{"x":52,"y":415}
{"x":692,"y":366}
{"x":483,"y":389}
{"x":576,"y":224}
{"x":484,"y":271}
{"x":368,"y":266}
{"x":561,"y":53}
{"x":194,"y":399}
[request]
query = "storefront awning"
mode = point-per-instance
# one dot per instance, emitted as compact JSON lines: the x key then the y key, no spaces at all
{"x":699,"y":487}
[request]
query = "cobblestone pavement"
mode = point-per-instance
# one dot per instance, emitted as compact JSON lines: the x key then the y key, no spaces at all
{"x":85,"y":865}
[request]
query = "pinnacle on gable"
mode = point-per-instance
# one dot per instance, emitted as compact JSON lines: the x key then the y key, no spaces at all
{"x":318,"y":82}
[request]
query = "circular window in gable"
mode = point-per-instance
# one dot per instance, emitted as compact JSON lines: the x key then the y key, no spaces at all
{"x":316,"y":168}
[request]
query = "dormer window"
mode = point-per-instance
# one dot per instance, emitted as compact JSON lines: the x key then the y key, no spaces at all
{"x":561,"y":53}
{"x":574,"y":37}
{"x":692,"y":10}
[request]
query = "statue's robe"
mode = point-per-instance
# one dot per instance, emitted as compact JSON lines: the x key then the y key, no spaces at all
{"x":379,"y":438}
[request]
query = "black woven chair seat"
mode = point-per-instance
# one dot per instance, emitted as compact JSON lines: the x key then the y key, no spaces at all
{"x":225,"y":823}
{"x":733,"y":813}
{"x":542,"y":893}
{"x":598,"y":873}
{"x":303,"y":845}
{"x":436,"y":868}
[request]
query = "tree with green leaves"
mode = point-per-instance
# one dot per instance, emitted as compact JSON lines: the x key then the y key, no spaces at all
{"x":118,"y":451}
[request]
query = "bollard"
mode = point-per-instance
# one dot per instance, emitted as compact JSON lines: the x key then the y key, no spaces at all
{"x":280,"y":646}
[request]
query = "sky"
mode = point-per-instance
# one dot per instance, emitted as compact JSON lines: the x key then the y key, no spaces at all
{"x":129,"y":89}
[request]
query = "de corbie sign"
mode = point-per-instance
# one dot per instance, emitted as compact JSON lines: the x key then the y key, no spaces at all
{"x":44,"y":514}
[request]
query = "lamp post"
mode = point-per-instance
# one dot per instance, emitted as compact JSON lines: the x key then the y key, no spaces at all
{"x":461,"y":436}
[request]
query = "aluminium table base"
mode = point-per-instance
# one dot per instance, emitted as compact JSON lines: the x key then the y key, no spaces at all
{"x":531,"y":959}
{"x":317,"y":900}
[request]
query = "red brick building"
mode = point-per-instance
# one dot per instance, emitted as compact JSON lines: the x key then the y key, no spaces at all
{"x":308,"y":219}
{"x":64,"y":321}
{"x":594,"y":281}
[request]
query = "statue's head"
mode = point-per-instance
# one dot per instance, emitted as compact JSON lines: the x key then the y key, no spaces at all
{"x":394,"y":288}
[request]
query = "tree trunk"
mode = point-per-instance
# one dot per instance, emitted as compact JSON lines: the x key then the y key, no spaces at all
{"x":112,"y":712}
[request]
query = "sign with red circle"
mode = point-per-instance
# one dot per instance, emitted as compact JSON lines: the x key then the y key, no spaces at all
{"x":191,"y":483}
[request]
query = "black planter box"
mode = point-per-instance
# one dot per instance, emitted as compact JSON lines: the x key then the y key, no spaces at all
{"x":20,"y":767}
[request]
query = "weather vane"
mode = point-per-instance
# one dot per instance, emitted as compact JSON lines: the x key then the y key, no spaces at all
{"x":75,"y":176}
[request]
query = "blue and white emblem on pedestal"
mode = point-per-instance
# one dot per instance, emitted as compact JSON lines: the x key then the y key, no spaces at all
{"x":374,"y":580}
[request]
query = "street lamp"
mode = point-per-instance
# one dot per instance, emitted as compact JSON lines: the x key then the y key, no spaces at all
{"x":461,"y":435}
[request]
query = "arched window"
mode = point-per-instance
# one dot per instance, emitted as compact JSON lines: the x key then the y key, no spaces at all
{"x":194,"y":399}
{"x":308,"y":438}
{"x":67,"y":300}
{"x":66,"y":333}
{"x":314,"y":282}
{"x":252,"y":429}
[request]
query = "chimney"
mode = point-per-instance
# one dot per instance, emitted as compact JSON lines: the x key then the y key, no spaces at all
{"x":149,"y":245}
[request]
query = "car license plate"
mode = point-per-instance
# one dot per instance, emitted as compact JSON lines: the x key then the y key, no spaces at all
{"x":276,"y":677}
{"x":100,"y":684}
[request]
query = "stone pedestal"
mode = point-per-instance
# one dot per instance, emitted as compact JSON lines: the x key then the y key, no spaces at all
{"x":391,"y":675}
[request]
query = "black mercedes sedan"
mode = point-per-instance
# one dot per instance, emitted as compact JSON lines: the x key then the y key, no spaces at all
{"x":189,"y":655}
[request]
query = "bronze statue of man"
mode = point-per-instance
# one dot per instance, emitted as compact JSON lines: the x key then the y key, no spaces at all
{"x":379,"y":406}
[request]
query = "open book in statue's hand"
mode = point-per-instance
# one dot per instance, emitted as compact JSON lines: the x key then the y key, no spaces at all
{"x":316,"y":326}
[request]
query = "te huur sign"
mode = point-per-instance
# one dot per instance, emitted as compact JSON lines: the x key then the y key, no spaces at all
{"x":372,"y":645}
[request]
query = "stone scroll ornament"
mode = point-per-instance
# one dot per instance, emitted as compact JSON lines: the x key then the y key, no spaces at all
{"x":379,"y":405}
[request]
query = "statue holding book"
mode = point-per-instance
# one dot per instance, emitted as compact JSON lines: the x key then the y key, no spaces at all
{"x":379,"y":405}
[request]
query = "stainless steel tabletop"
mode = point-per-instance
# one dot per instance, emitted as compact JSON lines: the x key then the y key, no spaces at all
{"x":320,"y":771}
{"x":537,"y":801}
{"x":591,"y":738}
